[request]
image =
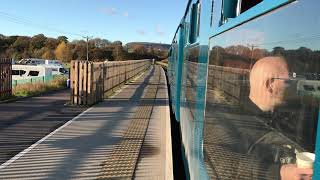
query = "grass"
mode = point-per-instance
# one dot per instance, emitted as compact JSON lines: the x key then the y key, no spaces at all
{"x":24,"y":90}
{"x":67,"y":65}
{"x":163,"y":63}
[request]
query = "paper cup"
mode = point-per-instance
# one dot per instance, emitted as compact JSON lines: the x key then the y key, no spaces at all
{"x":305,"y":160}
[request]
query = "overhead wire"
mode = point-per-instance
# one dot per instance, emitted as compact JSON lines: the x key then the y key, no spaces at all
{"x":24,"y":21}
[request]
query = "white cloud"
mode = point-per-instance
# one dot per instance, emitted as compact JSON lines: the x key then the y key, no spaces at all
{"x":110,"y":11}
{"x":141,"y":32}
{"x":159,"y":30}
{"x":126,"y":14}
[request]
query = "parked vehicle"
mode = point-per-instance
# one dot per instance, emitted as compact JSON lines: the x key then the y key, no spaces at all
{"x":22,"y":72}
{"x":56,"y":69}
{"x":55,"y":65}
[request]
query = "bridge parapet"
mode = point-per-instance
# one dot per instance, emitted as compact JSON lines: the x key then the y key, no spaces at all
{"x":91,"y":81}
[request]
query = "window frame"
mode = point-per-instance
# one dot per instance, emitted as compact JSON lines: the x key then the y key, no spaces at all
{"x":252,"y":13}
{"x":194,"y":29}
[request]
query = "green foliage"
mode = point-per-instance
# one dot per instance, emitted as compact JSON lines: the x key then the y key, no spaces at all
{"x":37,"y":41}
{"x":24,"y":90}
{"x":63,"y":39}
{"x":40,"y":46}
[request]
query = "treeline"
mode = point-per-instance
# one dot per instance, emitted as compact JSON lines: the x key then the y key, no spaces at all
{"x":40,"y":46}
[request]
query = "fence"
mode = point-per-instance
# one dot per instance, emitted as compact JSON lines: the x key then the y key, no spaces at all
{"x":91,"y":81}
{"x":233,"y":82}
{"x":5,"y":78}
{"x":41,"y":79}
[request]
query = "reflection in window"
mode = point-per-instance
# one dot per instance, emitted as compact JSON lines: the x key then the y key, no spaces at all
{"x":249,"y":130}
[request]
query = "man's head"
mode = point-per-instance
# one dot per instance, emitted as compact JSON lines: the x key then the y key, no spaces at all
{"x":267,"y":89}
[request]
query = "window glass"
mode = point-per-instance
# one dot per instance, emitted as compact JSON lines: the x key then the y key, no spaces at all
{"x":15,"y":72}
{"x":195,"y":22}
{"x":33,"y":73}
{"x":233,"y":8}
{"x":62,"y":70}
{"x":244,"y":5}
{"x":262,"y":99}
{"x":211,"y":19}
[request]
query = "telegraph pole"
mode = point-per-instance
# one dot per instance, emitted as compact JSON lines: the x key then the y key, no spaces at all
{"x":87,"y":38}
{"x":252,"y":46}
{"x":87,"y":48}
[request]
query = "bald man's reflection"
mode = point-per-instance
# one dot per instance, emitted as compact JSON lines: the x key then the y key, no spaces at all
{"x":270,"y":88}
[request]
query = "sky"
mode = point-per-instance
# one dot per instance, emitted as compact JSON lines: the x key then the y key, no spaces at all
{"x":124,"y":20}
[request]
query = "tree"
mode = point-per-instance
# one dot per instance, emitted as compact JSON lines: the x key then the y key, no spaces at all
{"x":140,"y":49}
{"x":117,"y":43}
{"x":63,"y":39}
{"x":21,"y":44}
{"x":118,"y":53}
{"x":37,"y":53}
{"x":38,"y":41}
{"x":80,"y":51}
{"x":100,"y":43}
{"x":63,"y":52}
{"x":48,"y":54}
{"x":51,"y":43}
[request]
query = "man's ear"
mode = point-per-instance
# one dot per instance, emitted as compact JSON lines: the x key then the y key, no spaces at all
{"x":269,"y":85}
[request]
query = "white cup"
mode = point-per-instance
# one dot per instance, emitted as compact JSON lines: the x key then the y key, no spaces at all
{"x":305,"y":160}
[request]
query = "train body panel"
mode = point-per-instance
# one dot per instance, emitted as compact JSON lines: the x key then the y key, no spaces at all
{"x":244,"y":81}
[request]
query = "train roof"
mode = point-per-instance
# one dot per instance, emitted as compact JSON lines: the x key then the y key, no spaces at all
{"x":182,"y":19}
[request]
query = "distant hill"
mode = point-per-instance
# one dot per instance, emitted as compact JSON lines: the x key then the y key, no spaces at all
{"x":148,"y":46}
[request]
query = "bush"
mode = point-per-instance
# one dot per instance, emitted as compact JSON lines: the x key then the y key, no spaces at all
{"x":24,"y":90}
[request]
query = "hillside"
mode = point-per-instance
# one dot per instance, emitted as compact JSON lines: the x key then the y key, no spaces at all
{"x":156,"y":46}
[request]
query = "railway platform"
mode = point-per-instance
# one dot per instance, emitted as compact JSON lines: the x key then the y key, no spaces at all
{"x":127,"y":136}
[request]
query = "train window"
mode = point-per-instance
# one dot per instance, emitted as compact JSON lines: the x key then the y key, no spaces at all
{"x":229,"y":10}
{"x":195,"y":22}
{"x":244,"y":5}
{"x":211,"y":19}
{"x":233,"y":8}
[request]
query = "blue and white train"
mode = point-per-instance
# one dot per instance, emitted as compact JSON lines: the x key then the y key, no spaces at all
{"x":244,"y":77}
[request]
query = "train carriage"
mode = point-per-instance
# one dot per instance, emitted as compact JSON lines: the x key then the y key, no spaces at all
{"x":245,"y":86}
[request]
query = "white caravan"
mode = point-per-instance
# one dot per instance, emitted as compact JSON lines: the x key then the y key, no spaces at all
{"x":55,"y":65}
{"x":20,"y":72}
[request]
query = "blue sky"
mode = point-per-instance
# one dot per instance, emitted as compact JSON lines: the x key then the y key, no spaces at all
{"x":124,"y":20}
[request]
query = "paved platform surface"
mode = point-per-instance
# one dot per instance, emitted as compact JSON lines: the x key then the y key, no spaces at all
{"x":78,"y":149}
{"x":26,"y":121}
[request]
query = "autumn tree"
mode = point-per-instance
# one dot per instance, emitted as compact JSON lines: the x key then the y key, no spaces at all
{"x":21,"y":44}
{"x":51,"y":43}
{"x":118,"y":53}
{"x":140,"y":49}
{"x":48,"y":54}
{"x":63,"y":39}
{"x":63,"y":52}
{"x":37,"y":41}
